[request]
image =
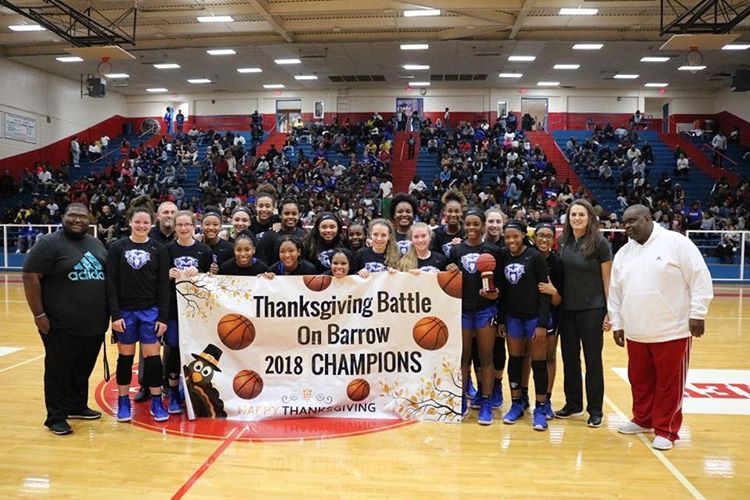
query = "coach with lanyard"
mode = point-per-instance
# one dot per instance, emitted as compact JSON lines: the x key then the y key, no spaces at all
{"x":63,"y":278}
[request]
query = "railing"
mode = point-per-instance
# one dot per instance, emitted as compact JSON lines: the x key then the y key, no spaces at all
{"x":713,"y":150}
{"x":11,"y":232}
{"x":116,"y":149}
{"x":723,"y":271}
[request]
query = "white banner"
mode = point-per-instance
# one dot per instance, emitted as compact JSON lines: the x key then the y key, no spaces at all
{"x":384,"y":347}
{"x":20,"y":128}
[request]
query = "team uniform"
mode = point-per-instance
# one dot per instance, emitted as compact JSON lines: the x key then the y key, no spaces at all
{"x":369,"y":259}
{"x":231,"y":267}
{"x":435,"y":263}
{"x":523,"y":307}
{"x":557,"y":277}
{"x":403,"y":242}
{"x":259,"y":229}
{"x":476,"y":311}
{"x":322,"y":259}
{"x":441,"y":240}
{"x":266,"y":248}
{"x":304,"y":267}
{"x":221,"y":251}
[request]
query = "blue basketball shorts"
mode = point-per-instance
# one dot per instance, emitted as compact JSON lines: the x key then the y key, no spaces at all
{"x":474,"y":320}
{"x":518,"y":328}
{"x":140,"y":326}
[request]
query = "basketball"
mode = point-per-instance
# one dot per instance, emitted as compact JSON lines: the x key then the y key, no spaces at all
{"x":430,"y":333}
{"x":236,"y":331}
{"x":358,"y":389}
{"x":486,"y":262}
{"x":451,"y":283}
{"x":247,"y":384}
{"x":317,"y":283}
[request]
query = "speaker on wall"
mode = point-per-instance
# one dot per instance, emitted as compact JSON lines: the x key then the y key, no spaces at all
{"x":740,"y":81}
{"x":96,"y":87}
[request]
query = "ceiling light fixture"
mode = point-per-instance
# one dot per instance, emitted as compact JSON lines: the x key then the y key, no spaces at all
{"x":548,"y":84}
{"x":421,"y":12}
{"x":287,"y":61}
{"x":199,"y":80}
{"x":510,"y":75}
{"x":736,"y":46}
{"x":658,"y":85}
{"x":588,"y":46}
{"x":521,"y":58}
{"x":414,"y":46}
{"x":166,"y":66}
{"x":115,"y":76}
{"x":305,"y":77}
{"x":215,"y":19}
{"x":273,"y":86}
{"x":415,"y":67}
{"x":654,"y":59}
{"x":625,"y":76}
{"x":157,"y":90}
{"x":249,"y":70}
{"x":566,"y":66}
{"x":565,"y":11}
{"x":419,"y":84}
{"x":69,"y":59}
{"x":26,"y":27}
{"x":221,"y":52}
{"x":691,"y":68}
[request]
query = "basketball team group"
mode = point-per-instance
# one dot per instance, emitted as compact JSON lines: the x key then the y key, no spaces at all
{"x":522,"y":290}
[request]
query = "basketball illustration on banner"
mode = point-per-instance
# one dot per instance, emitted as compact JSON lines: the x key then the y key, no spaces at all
{"x":247,"y":384}
{"x":451,"y":283}
{"x":317,"y":283}
{"x":430,"y":333}
{"x":235,"y":331}
{"x":358,"y":389}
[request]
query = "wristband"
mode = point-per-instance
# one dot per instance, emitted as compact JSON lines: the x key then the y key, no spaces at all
{"x":40,"y":316}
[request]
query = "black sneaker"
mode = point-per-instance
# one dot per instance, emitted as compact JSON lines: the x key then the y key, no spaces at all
{"x":61,"y":428}
{"x":567,"y":412}
{"x":594,"y":421}
{"x":144,"y":394}
{"x":86,"y":414}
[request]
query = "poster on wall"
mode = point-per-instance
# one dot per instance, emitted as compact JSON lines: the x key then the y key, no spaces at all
{"x":409,"y":105}
{"x":20,"y":128}
{"x":318,"y":110}
{"x":384,"y":347}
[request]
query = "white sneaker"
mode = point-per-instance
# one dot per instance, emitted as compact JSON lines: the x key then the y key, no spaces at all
{"x":632,"y":428}
{"x":661,"y":443}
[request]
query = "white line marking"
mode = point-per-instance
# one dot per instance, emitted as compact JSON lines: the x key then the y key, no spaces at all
{"x":660,"y":456}
{"x":4,"y":351}
{"x":21,"y":363}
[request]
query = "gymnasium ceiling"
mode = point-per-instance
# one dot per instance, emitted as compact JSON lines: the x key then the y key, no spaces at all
{"x":350,"y":44}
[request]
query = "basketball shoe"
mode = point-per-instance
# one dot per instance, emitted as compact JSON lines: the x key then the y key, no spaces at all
{"x":485,"y":412}
{"x":123,"y":409}
{"x":175,"y":407}
{"x":470,"y":389}
{"x":539,"y":419}
{"x":497,"y":394}
{"x":632,"y":428}
{"x":661,"y":443}
{"x":157,"y":409}
{"x":464,"y":407}
{"x":515,"y":412}
{"x":476,"y":401}
{"x":549,"y":413}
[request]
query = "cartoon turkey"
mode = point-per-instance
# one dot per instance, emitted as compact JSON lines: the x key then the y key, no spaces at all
{"x":205,"y":398}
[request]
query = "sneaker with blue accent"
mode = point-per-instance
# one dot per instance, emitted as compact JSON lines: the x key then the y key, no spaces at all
{"x":157,"y":410}
{"x":497,"y":394}
{"x":123,"y":409}
{"x":515,"y":412}
{"x":485,"y":412}
{"x":539,"y":419}
{"x":476,"y":401}
{"x":549,"y":413}
{"x":464,"y":407}
{"x":471,"y":391}
{"x":174,"y":402}
{"x":525,"y":399}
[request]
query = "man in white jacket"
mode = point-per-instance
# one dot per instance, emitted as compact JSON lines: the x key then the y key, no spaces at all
{"x":659,"y":294}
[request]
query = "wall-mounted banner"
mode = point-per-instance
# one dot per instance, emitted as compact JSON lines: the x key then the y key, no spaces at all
{"x":20,"y":128}
{"x":299,"y":346}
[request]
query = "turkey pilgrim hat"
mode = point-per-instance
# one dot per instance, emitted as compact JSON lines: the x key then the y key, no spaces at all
{"x":210,"y":355}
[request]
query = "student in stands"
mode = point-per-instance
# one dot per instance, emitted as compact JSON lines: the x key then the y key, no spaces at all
{"x":244,"y":262}
{"x":383,"y":254}
{"x":138,"y":295}
{"x":478,"y":308}
{"x":185,"y":257}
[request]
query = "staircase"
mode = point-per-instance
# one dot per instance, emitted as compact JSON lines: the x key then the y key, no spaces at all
{"x":275,"y":138}
{"x":555,"y":156}
{"x":402,"y":168}
{"x":112,"y":155}
{"x":699,"y":158}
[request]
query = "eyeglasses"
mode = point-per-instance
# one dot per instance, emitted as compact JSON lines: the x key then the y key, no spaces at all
{"x":185,"y":224}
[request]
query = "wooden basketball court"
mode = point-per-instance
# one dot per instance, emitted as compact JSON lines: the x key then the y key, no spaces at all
{"x":107,"y":459}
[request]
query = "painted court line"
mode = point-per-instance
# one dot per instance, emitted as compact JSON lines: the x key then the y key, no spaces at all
{"x":231,"y":438}
{"x":21,"y":363}
{"x":660,"y":456}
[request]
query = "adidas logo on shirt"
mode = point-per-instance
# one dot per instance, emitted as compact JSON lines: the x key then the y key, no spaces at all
{"x":88,"y":269}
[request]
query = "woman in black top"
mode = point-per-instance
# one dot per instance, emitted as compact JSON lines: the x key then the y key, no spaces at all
{"x":323,"y":238}
{"x":221,"y":249}
{"x":523,"y":319}
{"x":587,"y":263}
{"x":290,"y":261}
{"x":186,"y":257}
{"x":404,"y":210}
{"x":342,"y":263}
{"x":267,"y":246}
{"x":419,"y":257}
{"x":241,"y":217}
{"x":544,"y":241}
{"x":264,"y":219}
{"x":383,"y":255}
{"x":355,"y":237}
{"x":478,"y":310}
{"x":450,"y":234}
{"x":244,"y":262}
{"x":138,"y":296}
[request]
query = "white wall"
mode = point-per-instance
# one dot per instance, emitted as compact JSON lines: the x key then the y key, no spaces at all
{"x":737,"y":103}
{"x":36,"y":94}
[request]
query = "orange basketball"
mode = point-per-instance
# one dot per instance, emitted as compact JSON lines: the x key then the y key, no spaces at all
{"x":247,"y":384}
{"x":486,"y":262}
{"x":358,"y":389}
{"x":430,"y":333}
{"x":451,"y":283}
{"x":235,"y":331}
{"x":317,"y":283}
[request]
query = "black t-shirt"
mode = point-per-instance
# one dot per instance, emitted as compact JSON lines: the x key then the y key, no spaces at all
{"x":404,"y":244}
{"x":266,"y":247}
{"x":221,"y":251}
{"x":465,"y":257}
{"x":304,"y":267}
{"x":107,"y":221}
{"x":232,"y":268}
{"x":519,"y":286}
{"x":259,"y":229}
{"x":197,"y":255}
{"x":434,"y":263}
{"x":322,"y":258}
{"x":583,"y":288}
{"x":160,"y":238}
{"x":369,"y":259}
{"x":137,"y":278}
{"x":441,"y":240}
{"x":74,"y":290}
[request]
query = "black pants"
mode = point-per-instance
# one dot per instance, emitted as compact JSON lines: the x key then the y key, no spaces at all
{"x":68,"y":363}
{"x":579,"y":328}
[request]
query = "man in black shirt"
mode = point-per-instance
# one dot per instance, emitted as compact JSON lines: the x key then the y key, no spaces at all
{"x":63,"y":277}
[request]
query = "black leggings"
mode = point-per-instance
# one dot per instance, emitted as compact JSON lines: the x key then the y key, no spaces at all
{"x":583,"y":328}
